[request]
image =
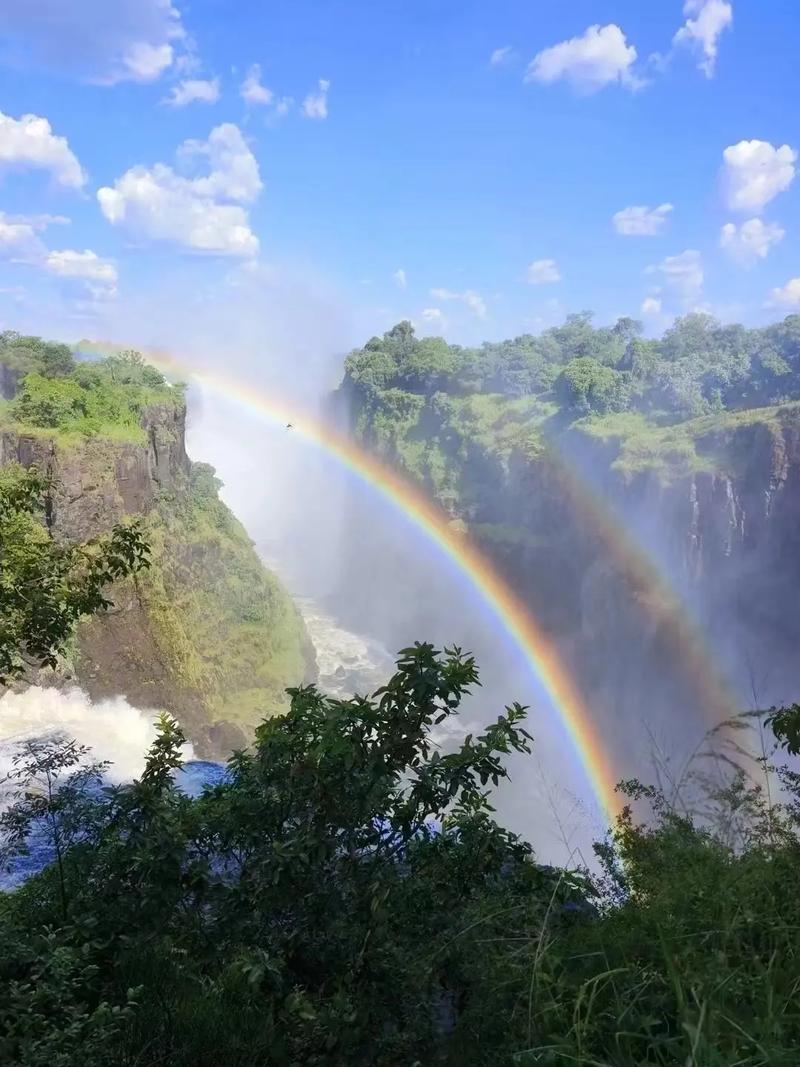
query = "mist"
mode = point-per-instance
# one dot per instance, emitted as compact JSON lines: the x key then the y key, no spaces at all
{"x":114,"y":730}
{"x":369,"y":582}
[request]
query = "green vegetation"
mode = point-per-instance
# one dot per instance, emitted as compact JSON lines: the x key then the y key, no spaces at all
{"x":47,"y":392}
{"x":454,"y":416}
{"x":224,"y":623}
{"x":45,"y":587}
{"x":345,"y":898}
{"x":206,"y":631}
{"x":698,"y":367}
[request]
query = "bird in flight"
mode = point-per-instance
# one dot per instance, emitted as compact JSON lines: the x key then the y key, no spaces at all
{"x":289,"y":426}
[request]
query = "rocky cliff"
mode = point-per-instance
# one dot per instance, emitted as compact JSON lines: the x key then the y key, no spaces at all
{"x":627,"y":538}
{"x":206,"y":632}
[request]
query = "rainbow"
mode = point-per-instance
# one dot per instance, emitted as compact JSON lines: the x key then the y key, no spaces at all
{"x":662,"y":606}
{"x":504,"y":604}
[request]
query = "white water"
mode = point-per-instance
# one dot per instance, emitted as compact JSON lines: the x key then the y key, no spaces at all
{"x":347,"y":662}
{"x":113,"y":729}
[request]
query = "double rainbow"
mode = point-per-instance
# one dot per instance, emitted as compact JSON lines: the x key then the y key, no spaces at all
{"x":504,"y":605}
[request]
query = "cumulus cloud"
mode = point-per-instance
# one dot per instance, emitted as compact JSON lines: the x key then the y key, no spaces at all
{"x":641,"y":221}
{"x":600,"y":57}
{"x":20,"y":243}
{"x":204,"y":214}
{"x":683,"y":274}
{"x":400,"y":278}
{"x":754,"y":172}
{"x":100,"y":275}
{"x":127,"y":40}
{"x":256,"y":94}
{"x":434,"y":318}
{"x":315,"y":105}
{"x":543,"y":272}
{"x":751,"y":241}
{"x":29,"y":142}
{"x":701,"y":32}
{"x":474,"y":301}
{"x":786,"y":295}
{"x":651,"y":305}
{"x":252,"y":91}
{"x":19,"y":240}
{"x":501,"y":56}
{"x":193,"y":90}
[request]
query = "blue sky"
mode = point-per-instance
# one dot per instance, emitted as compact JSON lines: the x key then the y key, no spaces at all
{"x":354,"y":163}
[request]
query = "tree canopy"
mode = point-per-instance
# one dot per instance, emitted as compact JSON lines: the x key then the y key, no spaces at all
{"x":698,"y":366}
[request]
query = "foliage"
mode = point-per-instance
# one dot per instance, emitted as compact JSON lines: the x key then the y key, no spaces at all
{"x":224,"y":625}
{"x":455,"y":418}
{"x":785,"y":723}
{"x":33,"y":355}
{"x":699,"y":366}
{"x":51,"y":392}
{"x":585,"y":385}
{"x":45,"y":587}
{"x":344,"y":897}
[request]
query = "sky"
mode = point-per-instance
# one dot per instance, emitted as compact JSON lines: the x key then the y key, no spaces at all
{"x":221,"y":173}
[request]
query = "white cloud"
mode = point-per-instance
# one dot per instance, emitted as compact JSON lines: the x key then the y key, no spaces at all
{"x":252,"y":91}
{"x":203,"y":213}
{"x":501,"y":56}
{"x":30,"y":142}
{"x":315,"y":105}
{"x":543,"y":272}
{"x":651,"y":305}
{"x":600,"y":57}
{"x":19,"y":241}
{"x":434,"y":318}
{"x":787,"y":295}
{"x":641,"y":221}
{"x":19,"y":236}
{"x":143,"y":62}
{"x":751,"y":241}
{"x":282,"y":107}
{"x":98,"y":40}
{"x":400,"y":278}
{"x":193,"y":90}
{"x":703,"y":31}
{"x":474,"y":301}
{"x":99,"y":274}
{"x":42,"y":221}
{"x":754,"y":172}
{"x":683,"y":274}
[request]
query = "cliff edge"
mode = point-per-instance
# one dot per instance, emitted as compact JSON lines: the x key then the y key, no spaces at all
{"x":206,"y":633}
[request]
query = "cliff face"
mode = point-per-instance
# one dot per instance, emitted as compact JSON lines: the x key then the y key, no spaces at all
{"x":712,"y":506}
{"x":99,"y":482}
{"x":206,"y":632}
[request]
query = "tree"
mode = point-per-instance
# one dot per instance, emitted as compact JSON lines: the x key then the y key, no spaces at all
{"x":587,"y":386}
{"x":45,"y":586}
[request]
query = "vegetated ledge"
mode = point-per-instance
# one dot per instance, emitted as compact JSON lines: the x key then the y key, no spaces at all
{"x":206,"y":633}
{"x":720,"y":444}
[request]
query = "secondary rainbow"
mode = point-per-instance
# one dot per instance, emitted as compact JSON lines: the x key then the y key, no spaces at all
{"x":508,"y":609}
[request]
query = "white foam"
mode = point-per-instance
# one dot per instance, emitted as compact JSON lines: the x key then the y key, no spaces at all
{"x":113,"y":729}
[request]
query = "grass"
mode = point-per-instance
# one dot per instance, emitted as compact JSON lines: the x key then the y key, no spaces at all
{"x":704,"y":444}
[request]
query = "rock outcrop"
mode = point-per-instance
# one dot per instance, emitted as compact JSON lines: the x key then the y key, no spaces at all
{"x":206,"y":633}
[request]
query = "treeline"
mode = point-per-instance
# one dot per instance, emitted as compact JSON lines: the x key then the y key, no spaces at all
{"x":699,"y":366}
{"x":43,"y":386}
